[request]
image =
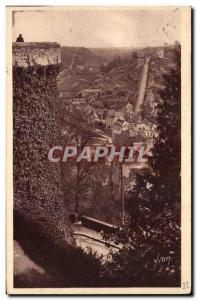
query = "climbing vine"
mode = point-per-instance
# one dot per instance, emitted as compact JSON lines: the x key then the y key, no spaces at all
{"x":37,"y":181}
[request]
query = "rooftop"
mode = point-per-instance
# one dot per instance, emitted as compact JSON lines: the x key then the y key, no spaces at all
{"x":91,"y":91}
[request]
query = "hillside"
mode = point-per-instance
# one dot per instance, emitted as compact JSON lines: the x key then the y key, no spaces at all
{"x":109,"y":53}
{"x":119,"y":76}
{"x":82,"y":55}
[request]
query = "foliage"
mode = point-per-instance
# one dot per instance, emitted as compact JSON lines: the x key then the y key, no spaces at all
{"x":153,"y":231}
{"x":83,"y":183}
{"x":150,"y":254}
{"x":115,"y":62}
{"x":162,"y":185}
{"x":37,"y":181}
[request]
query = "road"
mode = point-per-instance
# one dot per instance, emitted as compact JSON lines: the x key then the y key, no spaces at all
{"x":142,"y":86}
{"x":87,"y":238}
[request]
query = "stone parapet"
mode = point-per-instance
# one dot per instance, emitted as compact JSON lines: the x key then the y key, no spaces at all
{"x":33,"y":54}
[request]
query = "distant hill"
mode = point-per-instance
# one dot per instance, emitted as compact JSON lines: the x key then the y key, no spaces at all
{"x":126,"y":52}
{"x":83,"y":56}
{"x":109,"y":53}
{"x":120,"y":75}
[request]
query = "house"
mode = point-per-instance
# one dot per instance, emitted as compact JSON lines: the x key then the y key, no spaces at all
{"x":132,"y":126}
{"x":125,"y":126}
{"x":128,"y":110}
{"x":78,"y":101}
{"x":90,"y":93}
{"x":143,"y":129}
{"x":119,"y":126}
{"x":119,"y":115}
{"x":146,"y":129}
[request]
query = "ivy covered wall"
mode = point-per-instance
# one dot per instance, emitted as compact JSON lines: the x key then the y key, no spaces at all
{"x":36,"y":128}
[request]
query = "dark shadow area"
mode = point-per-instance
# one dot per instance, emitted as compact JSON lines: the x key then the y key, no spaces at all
{"x":67,"y":266}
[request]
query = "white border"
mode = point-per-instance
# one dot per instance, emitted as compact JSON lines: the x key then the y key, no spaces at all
{"x":2,"y":61}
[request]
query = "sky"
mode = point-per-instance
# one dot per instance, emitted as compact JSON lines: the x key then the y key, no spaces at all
{"x":98,"y":27}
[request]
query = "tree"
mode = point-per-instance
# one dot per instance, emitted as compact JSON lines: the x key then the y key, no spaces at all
{"x":162,"y":185}
{"x":154,"y":205}
{"x":88,"y":186}
{"x":138,"y":262}
{"x":78,"y":132}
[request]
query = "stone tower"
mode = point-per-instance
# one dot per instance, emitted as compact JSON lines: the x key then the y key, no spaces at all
{"x":36,"y":128}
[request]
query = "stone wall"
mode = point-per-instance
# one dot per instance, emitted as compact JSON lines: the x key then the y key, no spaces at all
{"x":31,"y":54}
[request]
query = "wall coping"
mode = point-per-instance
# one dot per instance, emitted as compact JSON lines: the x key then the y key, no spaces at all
{"x":32,"y":54}
{"x":36,"y":45}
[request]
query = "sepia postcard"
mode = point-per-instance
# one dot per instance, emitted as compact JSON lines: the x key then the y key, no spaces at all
{"x":99,"y":150}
